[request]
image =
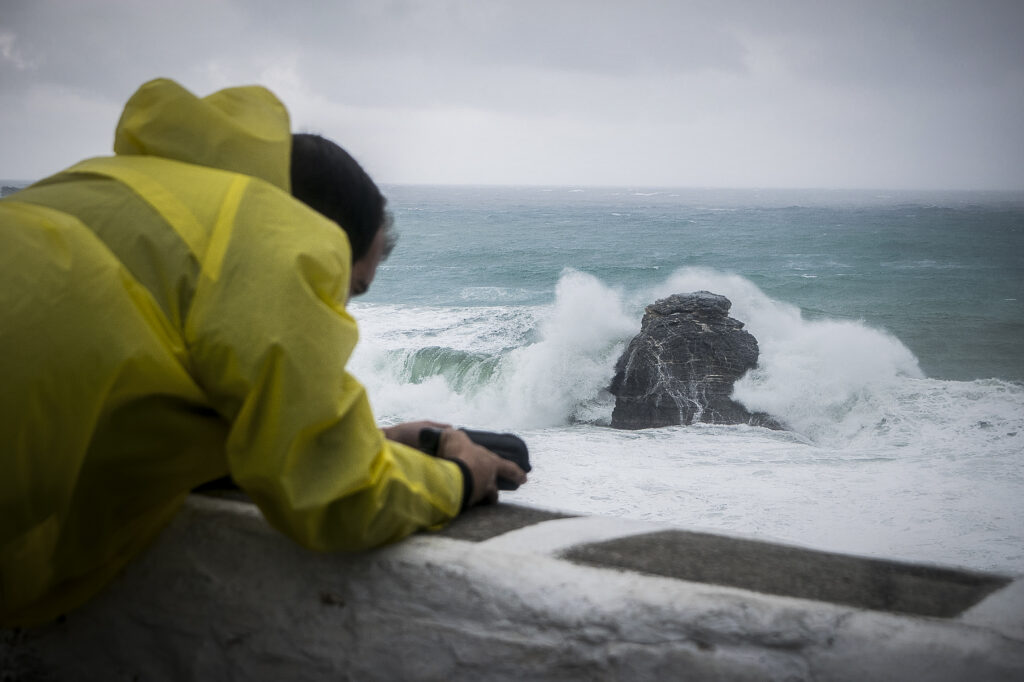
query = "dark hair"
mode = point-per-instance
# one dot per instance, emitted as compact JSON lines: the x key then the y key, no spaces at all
{"x":328,"y":180}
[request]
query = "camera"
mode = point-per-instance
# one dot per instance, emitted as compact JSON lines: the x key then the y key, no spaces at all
{"x":505,"y":445}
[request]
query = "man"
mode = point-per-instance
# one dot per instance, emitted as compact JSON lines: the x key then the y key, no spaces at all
{"x":171,"y":315}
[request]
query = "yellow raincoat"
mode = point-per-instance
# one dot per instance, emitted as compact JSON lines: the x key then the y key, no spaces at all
{"x":169,"y":315}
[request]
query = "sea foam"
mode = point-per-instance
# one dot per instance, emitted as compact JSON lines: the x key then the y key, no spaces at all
{"x":837,"y":383}
{"x":551,"y":364}
{"x":879,"y":460}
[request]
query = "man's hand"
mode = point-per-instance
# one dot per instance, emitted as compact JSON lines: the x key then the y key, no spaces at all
{"x":408,"y":433}
{"x":484,"y":466}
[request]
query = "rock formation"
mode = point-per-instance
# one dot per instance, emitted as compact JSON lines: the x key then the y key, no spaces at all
{"x":681,"y":367}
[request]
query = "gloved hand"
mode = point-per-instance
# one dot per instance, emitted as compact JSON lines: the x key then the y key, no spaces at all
{"x":484,"y":466}
{"x":408,"y":433}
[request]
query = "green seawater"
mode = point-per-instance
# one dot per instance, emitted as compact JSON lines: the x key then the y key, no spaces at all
{"x":941,"y":271}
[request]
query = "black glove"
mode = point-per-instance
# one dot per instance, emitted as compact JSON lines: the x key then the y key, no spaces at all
{"x":506,"y":445}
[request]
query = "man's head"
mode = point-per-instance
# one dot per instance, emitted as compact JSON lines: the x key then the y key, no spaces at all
{"x":327,"y":179}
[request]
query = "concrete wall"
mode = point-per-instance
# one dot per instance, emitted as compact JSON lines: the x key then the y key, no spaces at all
{"x":513,"y":593}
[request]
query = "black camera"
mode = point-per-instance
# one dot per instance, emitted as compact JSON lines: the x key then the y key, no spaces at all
{"x":506,"y":445}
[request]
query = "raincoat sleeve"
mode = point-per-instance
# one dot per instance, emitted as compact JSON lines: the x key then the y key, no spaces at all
{"x":269,"y":337}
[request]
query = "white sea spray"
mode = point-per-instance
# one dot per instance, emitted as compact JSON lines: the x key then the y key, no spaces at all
{"x":886,"y":454}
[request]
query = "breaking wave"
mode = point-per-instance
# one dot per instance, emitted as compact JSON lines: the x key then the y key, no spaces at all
{"x":835,"y":382}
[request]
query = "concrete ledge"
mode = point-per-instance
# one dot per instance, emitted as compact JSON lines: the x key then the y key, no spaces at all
{"x":518,"y":593}
{"x":792,"y":572}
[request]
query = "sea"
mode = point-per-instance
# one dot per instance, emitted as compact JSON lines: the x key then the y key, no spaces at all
{"x":891,"y":334}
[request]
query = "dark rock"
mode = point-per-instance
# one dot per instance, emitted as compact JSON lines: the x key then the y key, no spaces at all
{"x":681,"y":367}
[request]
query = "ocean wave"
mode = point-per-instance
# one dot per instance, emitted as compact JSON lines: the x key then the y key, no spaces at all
{"x":499,"y":366}
{"x":926,"y":264}
{"x":496,"y":294}
{"x":462,"y":371}
{"x":835,"y":383}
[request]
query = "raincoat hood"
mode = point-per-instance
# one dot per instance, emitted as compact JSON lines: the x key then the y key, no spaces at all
{"x":243,"y":129}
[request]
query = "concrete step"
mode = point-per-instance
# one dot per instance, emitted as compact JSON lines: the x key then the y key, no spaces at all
{"x":512,"y":593}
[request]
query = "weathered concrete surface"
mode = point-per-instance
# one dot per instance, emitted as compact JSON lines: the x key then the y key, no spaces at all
{"x":509,"y":593}
{"x":789,"y":571}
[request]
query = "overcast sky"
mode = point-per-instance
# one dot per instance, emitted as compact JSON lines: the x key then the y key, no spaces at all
{"x":859,"y":94}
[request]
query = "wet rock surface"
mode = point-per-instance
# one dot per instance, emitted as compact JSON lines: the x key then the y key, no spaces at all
{"x":681,"y":367}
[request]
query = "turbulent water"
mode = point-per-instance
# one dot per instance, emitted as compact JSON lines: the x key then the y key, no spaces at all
{"x":890,"y":329}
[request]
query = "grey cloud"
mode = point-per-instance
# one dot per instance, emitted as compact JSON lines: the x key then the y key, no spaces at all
{"x":915,"y":44}
{"x":576,"y":35}
{"x":112,"y":47}
{"x":826,"y":91}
